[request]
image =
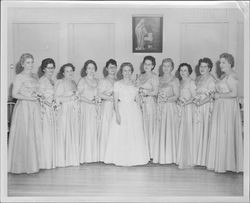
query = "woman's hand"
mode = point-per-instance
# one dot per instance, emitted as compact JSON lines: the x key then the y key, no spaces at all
{"x":118,"y":118}
{"x":217,"y":96}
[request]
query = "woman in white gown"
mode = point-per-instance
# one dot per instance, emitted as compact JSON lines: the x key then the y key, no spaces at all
{"x":126,"y":145}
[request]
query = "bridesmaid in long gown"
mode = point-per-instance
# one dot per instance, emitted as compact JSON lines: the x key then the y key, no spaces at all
{"x":90,"y":113}
{"x":165,"y":145}
{"x":148,"y":83}
{"x":186,"y":108}
{"x":205,"y":84}
{"x":25,"y":142}
{"x":105,"y":92}
{"x":126,"y":144}
{"x":47,"y":111}
{"x":225,"y":145}
{"x":67,"y":137}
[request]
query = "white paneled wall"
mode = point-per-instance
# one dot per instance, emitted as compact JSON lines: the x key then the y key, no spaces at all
{"x":77,"y":34}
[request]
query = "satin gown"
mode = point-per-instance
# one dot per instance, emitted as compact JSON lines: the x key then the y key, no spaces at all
{"x":149,"y":111}
{"x":165,"y":146}
{"x":67,"y":136}
{"x":126,"y":144}
{"x":25,"y":151}
{"x":202,"y":118}
{"x":107,"y":110}
{"x":185,"y":148}
{"x":89,"y":122}
{"x":48,"y":121}
{"x":225,"y":145}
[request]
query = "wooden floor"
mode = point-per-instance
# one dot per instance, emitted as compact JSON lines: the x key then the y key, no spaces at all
{"x":105,"y":180}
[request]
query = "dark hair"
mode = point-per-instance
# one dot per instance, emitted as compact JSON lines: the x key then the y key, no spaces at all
{"x":207,"y":61}
{"x":166,"y":60}
{"x":110,"y":61}
{"x":84,"y":69}
{"x":150,"y":58}
{"x":19,"y":65}
{"x":228,"y":57}
{"x":44,"y":65}
{"x":190,"y":70}
{"x":62,"y":69}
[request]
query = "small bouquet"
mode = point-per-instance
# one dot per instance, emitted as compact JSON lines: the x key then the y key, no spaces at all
{"x":211,"y":95}
{"x":97,"y":101}
{"x":197,"y":100}
{"x":181,"y":101}
{"x":162,"y":97}
{"x":76,"y":95}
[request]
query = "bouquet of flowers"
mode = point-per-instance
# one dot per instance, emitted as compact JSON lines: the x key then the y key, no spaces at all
{"x":181,"y":101}
{"x":97,"y":101}
{"x":162,"y":97}
{"x":211,"y":95}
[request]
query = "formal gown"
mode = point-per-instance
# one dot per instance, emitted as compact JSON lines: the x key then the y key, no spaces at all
{"x":48,"y":121}
{"x":89,"y":122}
{"x":202,"y":117}
{"x":126,"y":144}
{"x":185,"y":134}
{"x":25,"y":152}
{"x":225,"y":145}
{"x":67,"y":136}
{"x":165,"y":146}
{"x":149,"y":111}
{"x":105,"y":86}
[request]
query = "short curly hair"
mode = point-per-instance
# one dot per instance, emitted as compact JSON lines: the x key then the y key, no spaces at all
{"x":45,"y":62}
{"x":85,"y":66}
{"x":62,"y":69}
{"x":228,"y":57}
{"x":190,"y":70}
{"x":150,"y":58}
{"x":207,"y":61}
{"x":127,"y":64}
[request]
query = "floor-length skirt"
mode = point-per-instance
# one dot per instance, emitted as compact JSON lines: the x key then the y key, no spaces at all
{"x":202,"y":117}
{"x":225,"y":146}
{"x":149,"y":112}
{"x":165,"y":146}
{"x":25,"y":152}
{"x":89,"y":121}
{"x":49,"y":136}
{"x":107,"y":111}
{"x":185,"y":137}
{"x":67,"y":136}
{"x":126,"y":144}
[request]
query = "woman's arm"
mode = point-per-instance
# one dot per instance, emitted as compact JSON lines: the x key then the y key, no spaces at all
{"x":16,"y":94}
{"x":176,"y":92}
{"x":192,"y":89}
{"x":116,"y":100}
{"x":233,"y":92}
{"x":101,"y":92}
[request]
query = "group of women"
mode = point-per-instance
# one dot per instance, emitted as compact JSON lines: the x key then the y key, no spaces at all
{"x":126,"y":122}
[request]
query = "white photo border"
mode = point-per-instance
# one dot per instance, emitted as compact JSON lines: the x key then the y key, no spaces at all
{"x":243,"y":6}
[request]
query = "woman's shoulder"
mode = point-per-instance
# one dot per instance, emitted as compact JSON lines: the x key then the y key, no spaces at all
{"x":59,"y":82}
{"x":233,"y":76}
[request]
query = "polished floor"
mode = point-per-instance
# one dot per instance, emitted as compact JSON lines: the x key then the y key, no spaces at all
{"x":98,"y":179}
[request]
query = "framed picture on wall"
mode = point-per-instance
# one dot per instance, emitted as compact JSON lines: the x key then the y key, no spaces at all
{"x":147,"y":33}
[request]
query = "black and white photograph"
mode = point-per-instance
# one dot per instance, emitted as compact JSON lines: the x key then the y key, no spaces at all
{"x":125,"y":101}
{"x":147,"y":34}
